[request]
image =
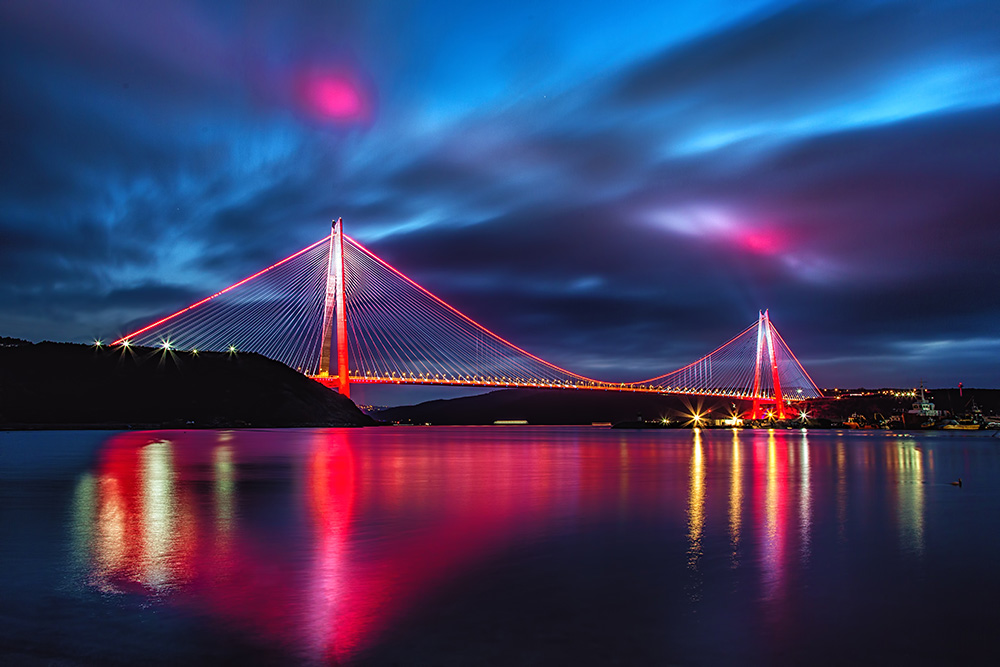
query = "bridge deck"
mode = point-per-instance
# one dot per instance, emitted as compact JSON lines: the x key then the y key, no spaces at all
{"x":332,"y":382}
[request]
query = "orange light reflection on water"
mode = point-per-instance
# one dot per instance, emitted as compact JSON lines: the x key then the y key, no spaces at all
{"x":735,"y":500}
{"x":696,"y":502}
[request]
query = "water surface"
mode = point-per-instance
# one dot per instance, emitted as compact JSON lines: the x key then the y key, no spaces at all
{"x":498,"y":545}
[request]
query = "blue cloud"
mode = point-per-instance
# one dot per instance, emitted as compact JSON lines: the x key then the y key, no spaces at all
{"x":614,"y":191}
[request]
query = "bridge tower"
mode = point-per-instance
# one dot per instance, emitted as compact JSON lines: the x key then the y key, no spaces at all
{"x":764,"y":336}
{"x":336,"y":304}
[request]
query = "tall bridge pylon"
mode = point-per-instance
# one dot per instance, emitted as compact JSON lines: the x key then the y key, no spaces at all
{"x":340,"y":314}
{"x":335,"y":305}
{"x":764,"y":334}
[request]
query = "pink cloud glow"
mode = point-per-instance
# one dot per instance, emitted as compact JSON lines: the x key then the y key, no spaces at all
{"x":336,"y":96}
{"x":717,"y":225}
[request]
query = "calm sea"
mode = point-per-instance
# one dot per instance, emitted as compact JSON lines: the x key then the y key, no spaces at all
{"x":499,"y":546}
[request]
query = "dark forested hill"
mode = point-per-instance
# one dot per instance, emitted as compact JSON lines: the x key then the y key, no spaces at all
{"x":554,"y":406}
{"x":68,"y":384}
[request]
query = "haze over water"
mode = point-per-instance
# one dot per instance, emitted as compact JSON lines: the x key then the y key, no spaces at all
{"x":498,"y":545}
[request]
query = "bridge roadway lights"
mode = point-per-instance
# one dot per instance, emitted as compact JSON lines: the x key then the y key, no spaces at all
{"x":333,"y":382}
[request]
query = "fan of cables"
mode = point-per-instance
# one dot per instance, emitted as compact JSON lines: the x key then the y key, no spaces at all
{"x":398,"y":332}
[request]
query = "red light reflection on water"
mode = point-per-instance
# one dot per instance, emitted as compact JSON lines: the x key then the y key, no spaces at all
{"x":145,"y":535}
{"x":168,"y":522}
{"x":322,"y":541}
{"x":775,"y":525}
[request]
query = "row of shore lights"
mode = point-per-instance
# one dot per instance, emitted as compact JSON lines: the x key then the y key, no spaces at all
{"x":698,"y":418}
{"x":165,"y":345}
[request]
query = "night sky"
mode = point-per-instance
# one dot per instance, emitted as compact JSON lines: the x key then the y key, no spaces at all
{"x":617,"y":187}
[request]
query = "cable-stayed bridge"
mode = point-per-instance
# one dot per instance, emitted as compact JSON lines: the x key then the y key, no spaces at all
{"x":341,"y":315}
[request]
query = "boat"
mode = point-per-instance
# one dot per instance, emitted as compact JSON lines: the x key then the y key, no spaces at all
{"x":971,"y":420}
{"x":859,"y":422}
{"x":960,"y":425}
{"x":922,"y":414}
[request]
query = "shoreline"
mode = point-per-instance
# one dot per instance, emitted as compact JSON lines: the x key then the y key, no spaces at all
{"x":116,"y":426}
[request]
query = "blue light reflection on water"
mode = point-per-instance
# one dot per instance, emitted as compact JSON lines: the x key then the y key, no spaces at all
{"x":498,"y":545}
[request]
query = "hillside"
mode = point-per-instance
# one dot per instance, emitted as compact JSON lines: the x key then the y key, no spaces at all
{"x":946,"y":399}
{"x":63,"y":384}
{"x":552,"y":406}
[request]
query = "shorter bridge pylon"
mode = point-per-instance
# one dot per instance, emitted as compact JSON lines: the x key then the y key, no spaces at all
{"x":765,"y":339}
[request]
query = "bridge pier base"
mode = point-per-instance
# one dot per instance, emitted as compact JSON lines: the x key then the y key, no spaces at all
{"x":760,"y":411}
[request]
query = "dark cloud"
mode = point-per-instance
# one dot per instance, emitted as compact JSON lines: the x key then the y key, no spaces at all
{"x":811,"y":56}
{"x":890,"y":229}
{"x":834,"y":162}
